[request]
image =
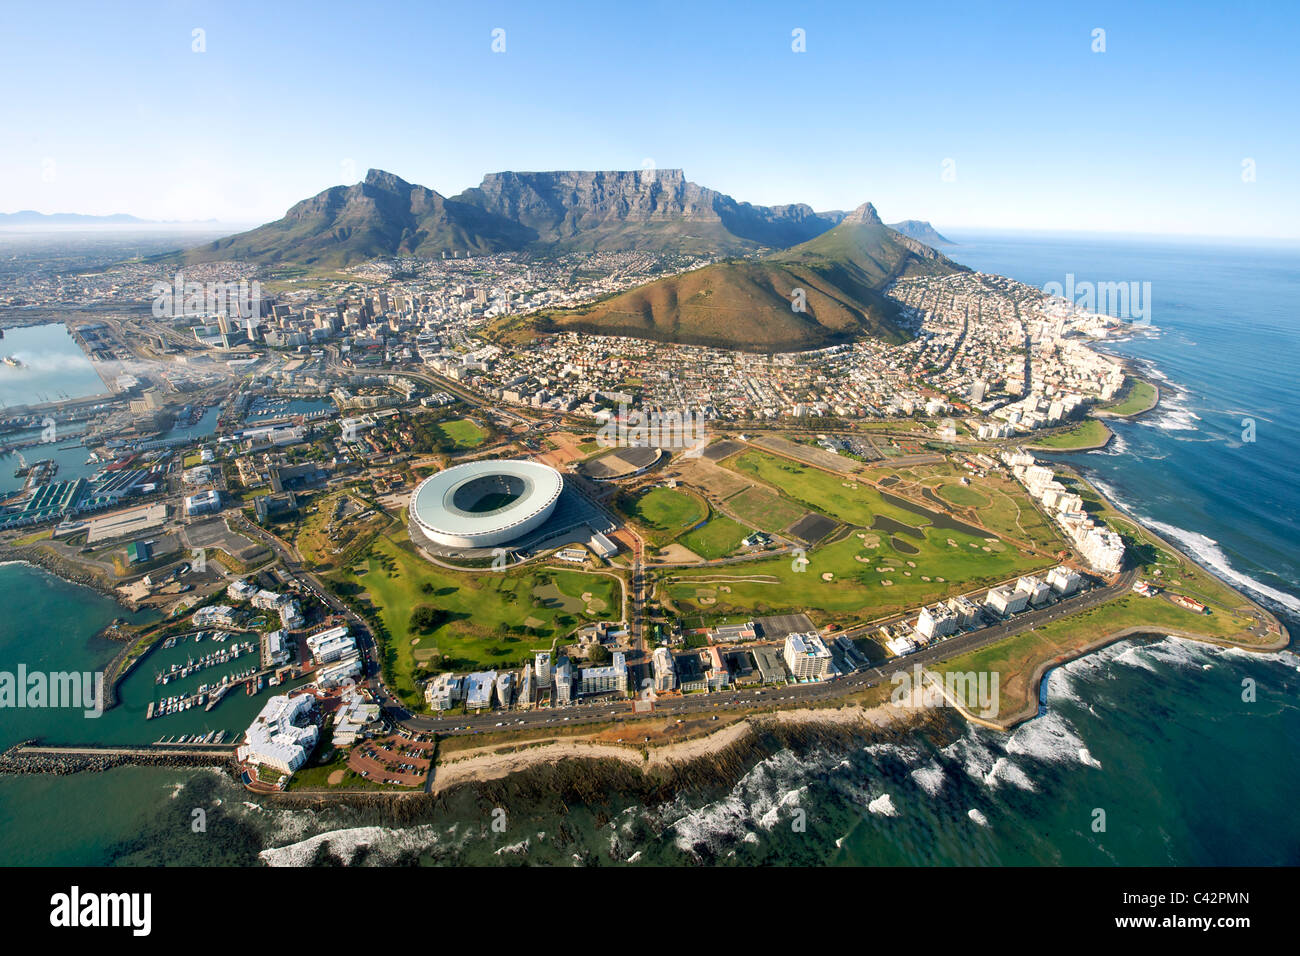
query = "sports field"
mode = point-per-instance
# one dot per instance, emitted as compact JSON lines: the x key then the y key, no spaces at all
{"x":665,"y":513}
{"x":463,"y":433}
{"x":717,"y":539}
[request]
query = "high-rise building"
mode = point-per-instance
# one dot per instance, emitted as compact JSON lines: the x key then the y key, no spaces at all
{"x":807,"y":656}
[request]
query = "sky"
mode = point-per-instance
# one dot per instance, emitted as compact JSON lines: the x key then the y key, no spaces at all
{"x":988,"y":115}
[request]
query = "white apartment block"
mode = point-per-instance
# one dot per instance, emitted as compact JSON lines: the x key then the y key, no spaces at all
{"x":604,"y":680}
{"x":807,"y":656}
{"x":936,"y":621}
{"x":1063,"y":580}
{"x":331,"y":645}
{"x":665,"y":675}
{"x":334,"y":674}
{"x":1036,"y":590}
{"x":444,"y":691}
{"x":1002,"y":600}
{"x":563,"y":678}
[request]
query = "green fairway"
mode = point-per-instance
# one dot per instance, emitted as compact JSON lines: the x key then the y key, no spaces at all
{"x":857,"y":589}
{"x":717,"y":539}
{"x":839,"y":496}
{"x":490,"y":619}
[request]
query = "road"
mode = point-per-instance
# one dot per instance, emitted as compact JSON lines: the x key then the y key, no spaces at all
{"x":603,"y":711}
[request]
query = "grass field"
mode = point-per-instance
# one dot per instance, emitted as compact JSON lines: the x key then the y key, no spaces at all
{"x":856,"y":589}
{"x":1139,"y":397}
{"x":717,"y":539}
{"x":1004,"y":506}
{"x":492,"y":619}
{"x":905,"y":561}
{"x":962,"y":495}
{"x":665,"y":513}
{"x":463,"y":433}
{"x":765,"y":510}
{"x":834,"y":495}
{"x":1086,"y":434}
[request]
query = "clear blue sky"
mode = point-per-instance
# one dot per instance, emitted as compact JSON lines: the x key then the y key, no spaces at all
{"x":107,"y":109}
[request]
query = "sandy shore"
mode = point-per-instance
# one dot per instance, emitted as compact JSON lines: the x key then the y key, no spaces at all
{"x":480,"y":764}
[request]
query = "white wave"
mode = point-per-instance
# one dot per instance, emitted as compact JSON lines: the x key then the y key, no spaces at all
{"x":907,"y":753}
{"x":634,"y":857}
{"x":883,"y":806}
{"x":517,"y":848}
{"x":756,"y":801}
{"x":978,"y":817}
{"x":1288,"y":657}
{"x":930,"y":778}
{"x":982,"y":764}
{"x":385,"y":843}
{"x":1004,"y":771}
{"x":1117,"y":445}
{"x":1177,"y":651}
{"x":1207,"y":551}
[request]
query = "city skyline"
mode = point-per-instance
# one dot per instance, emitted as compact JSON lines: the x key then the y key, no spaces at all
{"x":1170,"y":129}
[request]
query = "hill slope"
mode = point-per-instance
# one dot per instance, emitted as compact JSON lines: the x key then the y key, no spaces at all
{"x":747,"y":304}
{"x":382,"y":215}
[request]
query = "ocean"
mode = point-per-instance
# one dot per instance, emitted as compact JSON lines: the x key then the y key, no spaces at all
{"x":1147,"y":753}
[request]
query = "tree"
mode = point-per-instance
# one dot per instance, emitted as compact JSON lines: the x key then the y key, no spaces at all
{"x":598,"y":654}
{"x":426,"y":618}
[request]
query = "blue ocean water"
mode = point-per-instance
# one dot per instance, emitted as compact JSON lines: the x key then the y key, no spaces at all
{"x":1148,"y":754}
{"x":1223,"y":351}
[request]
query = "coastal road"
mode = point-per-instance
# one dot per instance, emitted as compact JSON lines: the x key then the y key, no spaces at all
{"x":602,"y":711}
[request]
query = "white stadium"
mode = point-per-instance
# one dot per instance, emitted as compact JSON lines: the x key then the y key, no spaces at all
{"x":485,"y":503}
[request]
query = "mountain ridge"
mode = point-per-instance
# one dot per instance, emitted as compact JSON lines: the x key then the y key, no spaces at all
{"x":542,"y":212}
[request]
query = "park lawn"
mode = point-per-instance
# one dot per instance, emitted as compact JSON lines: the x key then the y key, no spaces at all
{"x":493,"y":619}
{"x":839,"y":496}
{"x":1140,"y":395}
{"x":1087,"y":434}
{"x":765,"y":510}
{"x":962,"y":496}
{"x":463,"y":433}
{"x":855,"y":591}
{"x":667,"y":512}
{"x":717,"y":539}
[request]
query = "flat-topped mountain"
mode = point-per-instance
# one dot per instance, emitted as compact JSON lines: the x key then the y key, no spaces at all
{"x":821,"y":292}
{"x":542,"y":212}
{"x":640,"y":209}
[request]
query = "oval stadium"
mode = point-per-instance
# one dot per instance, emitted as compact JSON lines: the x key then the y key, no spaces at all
{"x":485,"y":503}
